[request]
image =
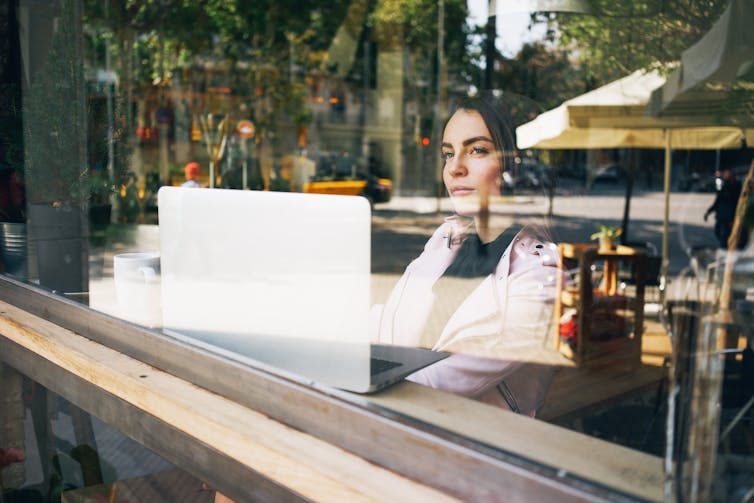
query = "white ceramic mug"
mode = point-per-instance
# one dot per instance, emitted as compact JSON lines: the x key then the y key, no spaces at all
{"x":137,"y":287}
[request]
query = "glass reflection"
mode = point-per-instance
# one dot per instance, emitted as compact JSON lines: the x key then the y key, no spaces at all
{"x":50,"y":450}
{"x":483,"y":288}
{"x":350,"y":97}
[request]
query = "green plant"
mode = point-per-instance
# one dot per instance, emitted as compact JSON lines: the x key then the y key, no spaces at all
{"x":100,"y":188}
{"x":55,"y":122}
{"x":607,"y":231}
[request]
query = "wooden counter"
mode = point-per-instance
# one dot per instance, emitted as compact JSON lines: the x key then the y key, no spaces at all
{"x":407,"y":443}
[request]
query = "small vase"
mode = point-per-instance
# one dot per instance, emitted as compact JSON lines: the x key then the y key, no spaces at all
{"x":606,"y":244}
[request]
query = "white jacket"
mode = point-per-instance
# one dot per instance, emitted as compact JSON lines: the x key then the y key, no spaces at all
{"x":495,"y":334}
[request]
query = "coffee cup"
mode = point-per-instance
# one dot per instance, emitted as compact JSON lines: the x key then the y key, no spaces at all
{"x":137,"y":287}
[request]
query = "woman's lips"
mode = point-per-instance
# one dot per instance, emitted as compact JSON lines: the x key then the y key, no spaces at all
{"x":461,"y":191}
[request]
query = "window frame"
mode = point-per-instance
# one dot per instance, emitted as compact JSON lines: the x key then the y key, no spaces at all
{"x":475,"y":470}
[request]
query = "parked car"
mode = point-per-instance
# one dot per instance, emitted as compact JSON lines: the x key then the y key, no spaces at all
{"x":611,"y":173}
{"x":528,"y":174}
{"x":377,"y":190}
{"x":694,"y":182}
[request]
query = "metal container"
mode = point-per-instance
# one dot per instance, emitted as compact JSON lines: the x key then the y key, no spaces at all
{"x":13,"y":248}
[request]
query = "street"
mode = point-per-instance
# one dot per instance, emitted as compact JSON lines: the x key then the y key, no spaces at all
{"x":402,"y":226}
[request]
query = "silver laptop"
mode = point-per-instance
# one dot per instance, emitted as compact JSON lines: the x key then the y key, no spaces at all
{"x":281,"y":279}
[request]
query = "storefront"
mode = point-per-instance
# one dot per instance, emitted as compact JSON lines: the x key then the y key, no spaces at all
{"x":104,"y":103}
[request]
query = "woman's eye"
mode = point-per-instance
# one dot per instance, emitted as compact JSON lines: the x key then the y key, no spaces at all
{"x":479,"y":150}
{"x":446,"y":155}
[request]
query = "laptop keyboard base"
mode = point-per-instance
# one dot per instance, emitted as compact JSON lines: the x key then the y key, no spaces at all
{"x":378,"y":365}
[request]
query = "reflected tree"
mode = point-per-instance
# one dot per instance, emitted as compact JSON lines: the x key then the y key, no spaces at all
{"x":271,"y":57}
{"x":621,"y":37}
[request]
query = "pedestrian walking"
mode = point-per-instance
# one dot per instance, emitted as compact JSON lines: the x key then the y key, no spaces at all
{"x":724,"y":207}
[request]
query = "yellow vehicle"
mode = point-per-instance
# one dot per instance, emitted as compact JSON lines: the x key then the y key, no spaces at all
{"x":377,"y":190}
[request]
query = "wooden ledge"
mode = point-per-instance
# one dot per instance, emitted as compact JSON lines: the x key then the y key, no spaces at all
{"x":305,"y":465}
{"x":611,"y":465}
{"x":236,"y":443}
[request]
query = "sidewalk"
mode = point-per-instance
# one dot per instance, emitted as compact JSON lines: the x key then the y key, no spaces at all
{"x":575,"y":218}
{"x":424,"y":205}
{"x":402,"y":226}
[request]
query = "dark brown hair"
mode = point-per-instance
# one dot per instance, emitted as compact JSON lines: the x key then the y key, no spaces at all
{"x":496,"y":117}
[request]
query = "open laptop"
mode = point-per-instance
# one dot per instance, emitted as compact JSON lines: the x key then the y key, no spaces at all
{"x":278,"y":278}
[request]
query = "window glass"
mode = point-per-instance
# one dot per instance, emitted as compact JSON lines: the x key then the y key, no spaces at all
{"x":537,"y":211}
{"x":54,"y":451}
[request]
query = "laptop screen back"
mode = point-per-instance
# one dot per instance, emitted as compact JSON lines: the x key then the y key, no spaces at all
{"x":278,"y":278}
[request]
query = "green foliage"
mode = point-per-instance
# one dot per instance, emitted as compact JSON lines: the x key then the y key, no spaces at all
{"x":100,"y":188}
{"x":606,"y":231}
{"x":55,"y":121}
{"x":541,"y":77}
{"x":267,"y":47}
{"x":271,"y":53}
{"x":620,"y":37}
{"x":413,"y":24}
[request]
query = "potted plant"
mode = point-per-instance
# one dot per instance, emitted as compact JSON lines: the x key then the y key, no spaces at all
{"x":605,"y":235}
{"x":55,"y":159}
{"x":100,"y":192}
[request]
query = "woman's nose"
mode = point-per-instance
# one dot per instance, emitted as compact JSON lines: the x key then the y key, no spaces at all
{"x":456,"y":166}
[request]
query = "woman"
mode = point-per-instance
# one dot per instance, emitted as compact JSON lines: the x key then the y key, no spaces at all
{"x":482,"y":288}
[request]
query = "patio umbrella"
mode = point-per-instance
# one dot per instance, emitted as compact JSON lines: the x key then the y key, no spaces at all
{"x":615,"y":116}
{"x":714,"y":83}
{"x":715,"y":78}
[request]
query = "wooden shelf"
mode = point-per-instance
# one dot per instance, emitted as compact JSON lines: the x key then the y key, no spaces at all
{"x":569,"y":297}
{"x":603,"y":314}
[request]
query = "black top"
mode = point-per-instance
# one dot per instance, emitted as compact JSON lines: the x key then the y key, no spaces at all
{"x":726,"y":201}
{"x":474,"y":261}
{"x":477,"y":259}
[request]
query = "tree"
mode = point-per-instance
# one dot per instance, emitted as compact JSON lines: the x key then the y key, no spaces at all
{"x":542,"y":75}
{"x":55,"y":143}
{"x":618,"y":38}
{"x":271,"y":54}
{"x":257,"y":43}
{"x":428,"y":84}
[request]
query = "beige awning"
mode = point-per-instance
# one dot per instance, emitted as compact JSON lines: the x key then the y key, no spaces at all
{"x":615,"y":116}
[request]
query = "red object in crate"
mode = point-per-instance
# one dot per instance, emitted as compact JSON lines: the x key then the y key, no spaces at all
{"x":606,"y":319}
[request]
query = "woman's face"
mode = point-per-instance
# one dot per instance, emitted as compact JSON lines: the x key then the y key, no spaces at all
{"x":472,"y":164}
